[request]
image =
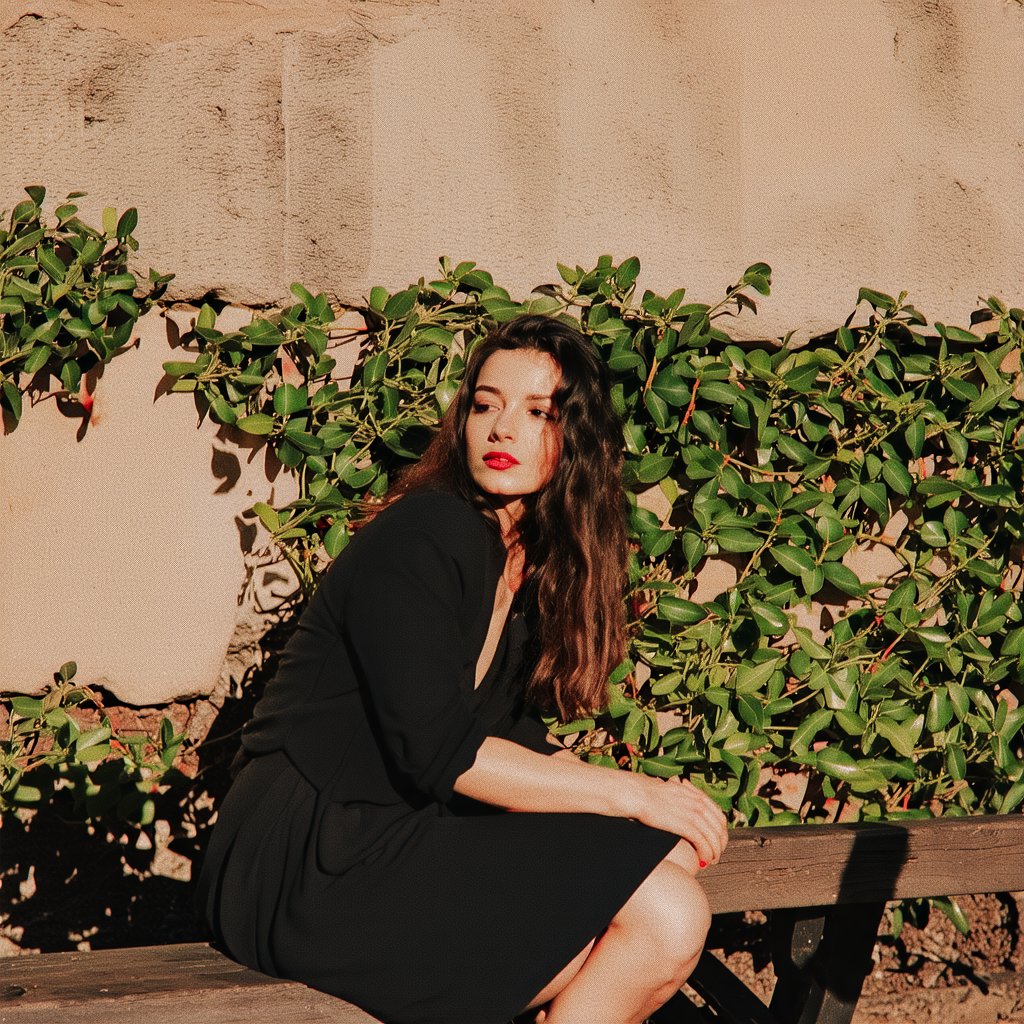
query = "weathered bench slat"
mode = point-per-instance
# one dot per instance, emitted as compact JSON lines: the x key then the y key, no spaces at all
{"x":763,"y":868}
{"x":818,"y":865}
{"x":179,"y":984}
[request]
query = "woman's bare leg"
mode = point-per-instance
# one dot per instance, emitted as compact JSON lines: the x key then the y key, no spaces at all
{"x":647,"y":952}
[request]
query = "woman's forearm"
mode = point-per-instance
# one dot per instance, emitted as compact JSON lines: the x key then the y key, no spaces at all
{"x":511,"y":776}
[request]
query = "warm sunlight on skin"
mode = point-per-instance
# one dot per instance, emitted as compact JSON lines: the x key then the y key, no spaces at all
{"x":513,"y":440}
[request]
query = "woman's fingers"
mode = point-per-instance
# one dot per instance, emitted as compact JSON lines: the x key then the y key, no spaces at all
{"x":707,"y":829}
{"x":690,"y":813}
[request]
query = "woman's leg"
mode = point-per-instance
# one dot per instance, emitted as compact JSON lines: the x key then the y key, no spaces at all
{"x":644,"y":956}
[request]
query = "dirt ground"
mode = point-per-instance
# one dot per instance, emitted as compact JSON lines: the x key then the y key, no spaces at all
{"x":929,"y":975}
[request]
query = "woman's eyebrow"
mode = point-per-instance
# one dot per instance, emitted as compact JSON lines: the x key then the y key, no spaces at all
{"x":497,"y":391}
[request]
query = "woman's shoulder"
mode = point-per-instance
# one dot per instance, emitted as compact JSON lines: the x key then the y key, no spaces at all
{"x":439,"y":518}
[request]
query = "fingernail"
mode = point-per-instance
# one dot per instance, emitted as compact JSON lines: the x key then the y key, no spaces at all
{"x":703,"y":863}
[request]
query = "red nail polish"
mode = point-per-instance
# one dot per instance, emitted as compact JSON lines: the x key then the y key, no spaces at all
{"x":703,"y":863}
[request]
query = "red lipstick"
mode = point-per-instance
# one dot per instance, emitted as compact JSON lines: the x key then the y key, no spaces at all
{"x":500,"y":460}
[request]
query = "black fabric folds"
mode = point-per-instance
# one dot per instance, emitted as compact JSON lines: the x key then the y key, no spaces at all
{"x":341,"y":857}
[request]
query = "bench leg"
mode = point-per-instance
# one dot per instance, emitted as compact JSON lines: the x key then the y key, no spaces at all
{"x":821,"y":957}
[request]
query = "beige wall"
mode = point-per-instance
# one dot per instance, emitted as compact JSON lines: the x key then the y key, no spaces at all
{"x":873,"y":142}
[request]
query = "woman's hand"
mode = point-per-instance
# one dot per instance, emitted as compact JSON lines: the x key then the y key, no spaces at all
{"x":678,"y":806}
{"x":511,"y":776}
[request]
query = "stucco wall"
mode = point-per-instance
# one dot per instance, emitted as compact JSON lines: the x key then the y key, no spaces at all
{"x":878,"y":142}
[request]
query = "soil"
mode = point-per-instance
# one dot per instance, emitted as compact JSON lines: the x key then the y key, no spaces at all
{"x":930,"y":975}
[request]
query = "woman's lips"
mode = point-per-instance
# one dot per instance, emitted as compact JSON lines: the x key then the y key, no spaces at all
{"x":500,"y":460}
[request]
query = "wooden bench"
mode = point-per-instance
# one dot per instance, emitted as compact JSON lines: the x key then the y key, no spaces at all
{"x":827,"y":886}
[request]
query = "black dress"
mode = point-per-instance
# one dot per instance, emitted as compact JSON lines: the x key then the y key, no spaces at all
{"x":342,"y":858}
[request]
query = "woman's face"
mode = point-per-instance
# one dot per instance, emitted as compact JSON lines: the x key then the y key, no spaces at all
{"x":513,"y":439}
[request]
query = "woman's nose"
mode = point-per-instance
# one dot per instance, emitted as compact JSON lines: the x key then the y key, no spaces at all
{"x":503,"y":426}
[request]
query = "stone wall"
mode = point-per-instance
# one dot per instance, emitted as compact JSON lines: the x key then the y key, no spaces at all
{"x":873,"y":143}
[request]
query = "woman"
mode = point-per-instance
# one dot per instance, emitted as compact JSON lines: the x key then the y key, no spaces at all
{"x":366,"y":847}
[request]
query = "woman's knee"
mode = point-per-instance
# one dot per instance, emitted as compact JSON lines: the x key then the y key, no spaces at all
{"x":671,"y":910}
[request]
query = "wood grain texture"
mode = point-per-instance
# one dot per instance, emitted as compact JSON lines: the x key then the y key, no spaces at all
{"x":818,"y":865}
{"x":178,"y":984}
{"x":763,"y":869}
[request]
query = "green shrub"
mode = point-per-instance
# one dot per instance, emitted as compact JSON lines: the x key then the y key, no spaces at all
{"x":782,"y":459}
{"x":67,"y":299}
{"x":61,"y":749}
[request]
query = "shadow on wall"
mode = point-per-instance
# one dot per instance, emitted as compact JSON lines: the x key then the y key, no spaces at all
{"x":65,"y":885}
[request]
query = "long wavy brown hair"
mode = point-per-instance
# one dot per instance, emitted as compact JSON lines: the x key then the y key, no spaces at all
{"x":573,"y":531}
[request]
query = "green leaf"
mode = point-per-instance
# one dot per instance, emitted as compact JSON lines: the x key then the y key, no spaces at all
{"x":121,"y":282}
{"x":27,"y":707}
{"x":268,"y":516}
{"x":810,"y":646}
{"x":897,"y":734}
{"x":897,"y":477}
{"x":850,"y":722}
{"x":71,"y":376}
{"x":206,"y":319}
{"x":178,"y":369}
{"x":808,"y":729}
{"x":670,"y":389}
{"x":289,"y":400}
{"x":658,"y":409}
{"x":770,"y":620}
{"x":627,"y":273}
{"x":738,"y":541}
{"x":662,"y":767}
{"x":843,"y":578}
{"x":716,"y":391}
{"x":933,"y":534}
{"x":950,"y":907}
{"x":25,"y":794}
{"x":679,"y":611}
{"x":874,"y":496}
{"x":258,"y":423}
{"x":127,"y":223}
{"x":836,"y":763}
{"x":694,"y":548}
{"x":12,"y":397}
{"x":401,"y":304}
{"x":653,"y":468}
{"x":956,"y":763}
{"x":336,"y":538}
{"x":752,"y":678}
{"x":940,"y":711}
{"x":223,"y":411}
{"x":877,"y":299}
{"x":793,"y":559}
{"x":567,"y":274}
{"x":1012,"y":798}
{"x":914,"y":435}
{"x":935,"y":486}
{"x":374,"y":369}
{"x":961,"y":389}
{"x":52,"y":264}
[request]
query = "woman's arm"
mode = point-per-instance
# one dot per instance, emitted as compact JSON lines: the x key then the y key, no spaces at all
{"x":508,"y":775}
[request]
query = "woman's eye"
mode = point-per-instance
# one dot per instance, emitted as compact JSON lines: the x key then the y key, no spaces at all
{"x":546,"y":414}
{"x":481,"y":406}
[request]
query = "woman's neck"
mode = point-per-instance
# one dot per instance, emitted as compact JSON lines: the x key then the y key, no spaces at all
{"x":509,"y":517}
